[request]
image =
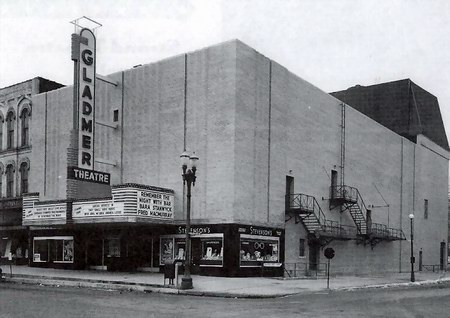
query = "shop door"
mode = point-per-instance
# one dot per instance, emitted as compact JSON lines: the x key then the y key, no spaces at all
{"x":334,"y":187}
{"x":95,"y":252}
{"x":196,"y":255}
{"x":442,"y":258}
{"x":313,"y":255}
{"x":142,"y":251}
{"x":289,"y":191}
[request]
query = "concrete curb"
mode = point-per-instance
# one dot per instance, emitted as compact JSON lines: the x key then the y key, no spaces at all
{"x":439,"y":281}
{"x":126,"y":286}
{"x":89,"y":283}
{"x":164,"y":289}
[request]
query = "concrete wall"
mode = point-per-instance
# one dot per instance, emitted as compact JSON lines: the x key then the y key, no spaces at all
{"x":153,"y":130}
{"x":251,"y":150}
{"x":154,"y":124}
{"x":304,"y":124}
{"x":431,"y":184}
{"x":52,"y":121}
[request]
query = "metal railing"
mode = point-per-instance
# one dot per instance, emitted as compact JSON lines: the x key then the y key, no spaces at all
{"x":430,"y":268}
{"x":348,"y":194}
{"x":305,"y":203}
{"x":337,"y":229}
{"x":396,"y":234}
{"x":378,"y":229}
{"x":344,"y":192}
{"x":304,"y":269}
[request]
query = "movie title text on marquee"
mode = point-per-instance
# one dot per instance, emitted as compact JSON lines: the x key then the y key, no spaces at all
{"x":86,"y":99}
{"x":45,"y":212}
{"x":97,"y":209}
{"x":155,"y":204}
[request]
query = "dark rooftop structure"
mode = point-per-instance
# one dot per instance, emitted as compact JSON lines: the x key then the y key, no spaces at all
{"x":401,"y":106}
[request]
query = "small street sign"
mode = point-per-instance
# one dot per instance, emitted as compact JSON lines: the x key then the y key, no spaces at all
{"x":329,"y":253}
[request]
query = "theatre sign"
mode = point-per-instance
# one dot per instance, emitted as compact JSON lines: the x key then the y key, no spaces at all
{"x":84,"y":55}
{"x":45,"y":214}
{"x":129,"y":203}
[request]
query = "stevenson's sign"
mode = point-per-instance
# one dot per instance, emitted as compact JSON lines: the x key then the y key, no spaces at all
{"x":86,"y":99}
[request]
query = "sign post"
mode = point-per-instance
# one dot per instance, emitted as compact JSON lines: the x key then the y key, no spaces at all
{"x":10,"y":263}
{"x":329,"y":254}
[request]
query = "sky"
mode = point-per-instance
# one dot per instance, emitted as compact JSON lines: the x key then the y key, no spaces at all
{"x":333,"y":44}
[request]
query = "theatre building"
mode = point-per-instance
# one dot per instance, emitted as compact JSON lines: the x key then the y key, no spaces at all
{"x":284,"y":170}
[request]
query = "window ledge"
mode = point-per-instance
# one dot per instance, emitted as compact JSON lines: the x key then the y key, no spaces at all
{"x":13,"y":150}
{"x":63,"y":262}
{"x":26,"y":147}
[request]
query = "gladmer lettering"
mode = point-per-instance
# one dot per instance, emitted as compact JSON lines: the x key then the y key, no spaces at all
{"x":87,"y":100}
{"x":86,"y":119}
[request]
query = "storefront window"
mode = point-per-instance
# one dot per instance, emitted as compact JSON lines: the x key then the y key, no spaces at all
{"x":206,"y":249}
{"x":180,"y":248}
{"x":212,"y":251}
{"x":40,"y":252}
{"x":257,"y":250}
{"x":68,"y":251}
{"x":53,"y":249}
{"x":63,"y":250}
{"x":5,"y":247}
{"x":112,"y":247}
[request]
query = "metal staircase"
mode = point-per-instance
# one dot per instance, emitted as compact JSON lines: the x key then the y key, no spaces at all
{"x":349,"y":198}
{"x":306,"y":210}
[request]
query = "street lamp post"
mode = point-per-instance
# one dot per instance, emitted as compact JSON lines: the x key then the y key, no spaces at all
{"x":411,"y":217}
{"x":189,"y":167}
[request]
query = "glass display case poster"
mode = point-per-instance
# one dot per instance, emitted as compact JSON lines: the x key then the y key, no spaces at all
{"x":68,"y":251}
{"x":166,"y":250}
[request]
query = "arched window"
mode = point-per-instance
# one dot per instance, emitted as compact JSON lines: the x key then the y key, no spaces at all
{"x":25,"y":118}
{"x":1,"y":133}
{"x":1,"y":183}
{"x":10,"y":119}
{"x":24,"y":177}
{"x":9,"y":181}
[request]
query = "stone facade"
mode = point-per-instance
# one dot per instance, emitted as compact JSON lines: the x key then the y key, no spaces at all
{"x":16,"y":113}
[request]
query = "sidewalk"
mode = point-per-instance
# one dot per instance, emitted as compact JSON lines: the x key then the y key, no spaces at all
{"x":249,"y":287}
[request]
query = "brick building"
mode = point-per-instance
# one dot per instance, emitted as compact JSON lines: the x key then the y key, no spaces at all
{"x":15,"y":151}
{"x":285,"y":169}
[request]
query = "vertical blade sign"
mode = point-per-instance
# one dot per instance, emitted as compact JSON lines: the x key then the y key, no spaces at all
{"x":86,"y":99}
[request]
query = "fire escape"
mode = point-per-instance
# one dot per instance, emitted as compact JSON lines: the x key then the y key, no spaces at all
{"x":306,"y":210}
{"x":349,"y":199}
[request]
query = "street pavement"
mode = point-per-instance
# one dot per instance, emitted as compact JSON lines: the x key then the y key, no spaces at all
{"x":248,"y":287}
{"x":20,"y":300}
